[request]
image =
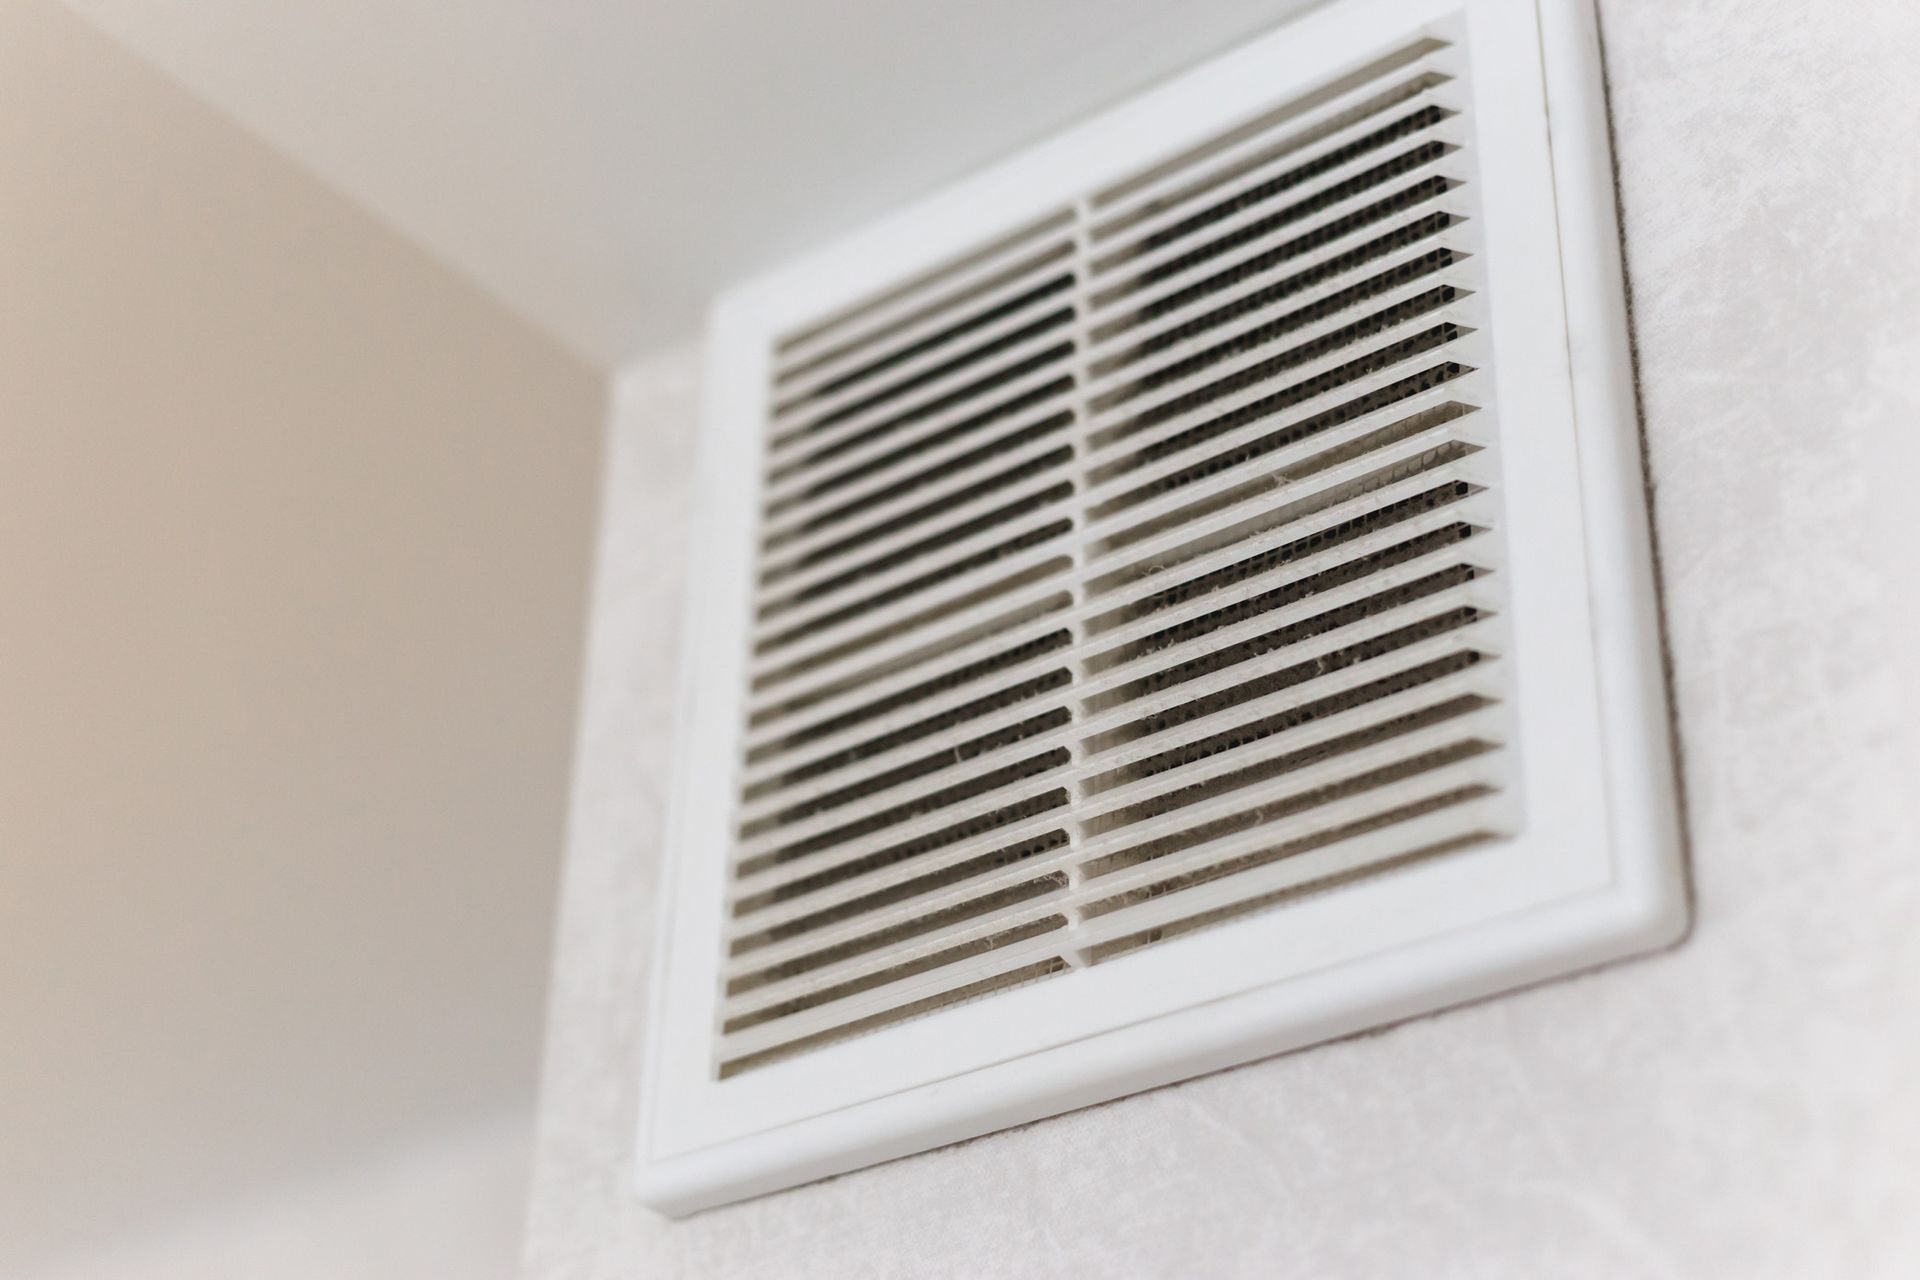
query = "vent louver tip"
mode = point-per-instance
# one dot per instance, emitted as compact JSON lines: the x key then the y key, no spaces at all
{"x":1136,"y":570}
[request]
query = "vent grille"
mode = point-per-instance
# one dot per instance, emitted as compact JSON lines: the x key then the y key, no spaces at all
{"x":1138,"y":570}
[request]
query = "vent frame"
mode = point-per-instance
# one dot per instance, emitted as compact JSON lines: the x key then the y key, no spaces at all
{"x":1594,"y":873}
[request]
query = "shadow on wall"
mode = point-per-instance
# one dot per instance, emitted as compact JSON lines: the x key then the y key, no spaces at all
{"x":293,"y":536}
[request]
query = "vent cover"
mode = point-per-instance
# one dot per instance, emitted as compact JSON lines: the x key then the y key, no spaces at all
{"x":1165,"y":587}
{"x":1126,"y":573}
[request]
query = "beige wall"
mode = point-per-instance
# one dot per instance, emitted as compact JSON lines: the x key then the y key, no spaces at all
{"x":1743,"y":1105}
{"x":293,"y":545}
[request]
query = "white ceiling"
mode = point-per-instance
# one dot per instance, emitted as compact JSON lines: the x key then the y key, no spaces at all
{"x":604,"y":165}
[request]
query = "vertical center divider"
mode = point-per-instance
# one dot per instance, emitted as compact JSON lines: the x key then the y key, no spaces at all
{"x":1081,"y":428}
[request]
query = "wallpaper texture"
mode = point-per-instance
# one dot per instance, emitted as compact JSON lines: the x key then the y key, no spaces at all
{"x":1740,"y":1105}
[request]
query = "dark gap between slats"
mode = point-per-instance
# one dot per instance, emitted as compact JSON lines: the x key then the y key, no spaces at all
{"x":1273,"y":119}
{"x":846,"y":1030}
{"x":1266,"y":561}
{"x":1392,"y":206}
{"x":915,"y":550}
{"x":1276,"y":641}
{"x":948,"y":758}
{"x":1292,"y":358}
{"x":1407,"y":125}
{"x":913,"y":927}
{"x":905,"y":891}
{"x":932,"y":342}
{"x":1327,"y":458}
{"x":1294,"y":893}
{"x":1271,"y":767}
{"x":1279,"y":597}
{"x":934,"y":686}
{"x":914,"y":586}
{"x":925,"y":281}
{"x":1285,"y":807}
{"x":919,"y":806}
{"x":982,"y":354}
{"x":979,"y":387}
{"x":916,"y":448}
{"x":1417,"y":157}
{"x":916,"y":515}
{"x":932,"y":649}
{"x":906,"y":969}
{"x":1271,"y":517}
{"x":1332,"y":268}
{"x":907,"y":850}
{"x":1359,"y":407}
{"x":1282,"y":722}
{"x":1278,"y":327}
{"x":1285,"y":678}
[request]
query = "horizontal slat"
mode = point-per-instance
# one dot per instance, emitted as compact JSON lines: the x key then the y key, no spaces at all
{"x":1118,"y":723}
{"x":1152,"y":575}
{"x":897,"y":956}
{"x":1026,"y":769}
{"x":1270,"y":434}
{"x":1032,"y":309}
{"x":1300,"y":792}
{"x":1157,"y":286}
{"x":1098,"y":604}
{"x":1096,"y":690}
{"x":901,"y":674}
{"x":937,"y":596}
{"x":825,"y":590}
{"x":1318,"y":205}
{"x":1405,"y":333}
{"x":1174,"y":523}
{"x":903,"y":555}
{"x":1115,"y":201}
{"x":1213,"y":304}
{"x":1399,"y":671}
{"x":1484,"y":772}
{"x":823,"y":477}
{"x":1303,"y":787}
{"x":1158,"y":520}
{"x":937,"y":289}
{"x":1450,"y":698}
{"x":1391,"y":628}
{"x":1011,"y":288}
{"x":1105,"y":649}
{"x":790,"y":933}
{"x":772,"y":1035}
{"x":1473,"y":818}
{"x":1275,"y":174}
{"x":1285,"y":322}
{"x":954,"y":394}
{"x":789,"y":680}
{"x":932,"y":491}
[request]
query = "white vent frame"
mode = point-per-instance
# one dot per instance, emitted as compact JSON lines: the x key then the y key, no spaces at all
{"x":1596,"y":872}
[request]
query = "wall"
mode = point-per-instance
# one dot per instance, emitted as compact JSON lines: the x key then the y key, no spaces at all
{"x":1741,"y":1105}
{"x":293,"y":543}
{"x":443,"y":1204}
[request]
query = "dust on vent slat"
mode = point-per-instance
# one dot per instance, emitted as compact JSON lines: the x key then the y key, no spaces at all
{"x":1138,"y":570}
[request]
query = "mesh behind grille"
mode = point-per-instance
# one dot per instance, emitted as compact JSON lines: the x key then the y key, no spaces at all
{"x":1132,"y":572}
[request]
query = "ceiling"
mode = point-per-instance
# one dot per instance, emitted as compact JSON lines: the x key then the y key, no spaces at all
{"x":602,"y":166}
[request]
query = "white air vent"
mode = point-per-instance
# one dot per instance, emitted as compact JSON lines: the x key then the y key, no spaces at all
{"x":1181,"y":595}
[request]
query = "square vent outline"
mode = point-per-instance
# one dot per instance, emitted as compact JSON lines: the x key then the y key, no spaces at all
{"x":783,"y":1111}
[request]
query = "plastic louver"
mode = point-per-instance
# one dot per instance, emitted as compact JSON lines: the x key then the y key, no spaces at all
{"x":1137,"y":571}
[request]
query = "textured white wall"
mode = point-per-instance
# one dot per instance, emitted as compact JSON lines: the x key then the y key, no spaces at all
{"x":1742,"y":1105}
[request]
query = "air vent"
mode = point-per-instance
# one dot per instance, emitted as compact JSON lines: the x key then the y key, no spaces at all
{"x":1164,"y":583}
{"x":1129,"y":572}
